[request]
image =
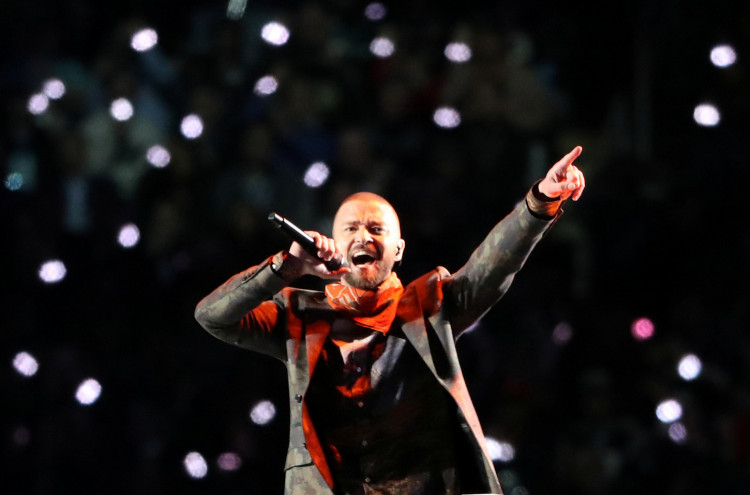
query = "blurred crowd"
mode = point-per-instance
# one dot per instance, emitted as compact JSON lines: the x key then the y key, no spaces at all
{"x":657,"y":234}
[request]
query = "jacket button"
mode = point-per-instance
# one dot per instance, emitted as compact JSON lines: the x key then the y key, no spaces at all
{"x":298,"y":398}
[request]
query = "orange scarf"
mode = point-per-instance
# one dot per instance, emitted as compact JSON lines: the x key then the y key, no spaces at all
{"x":367,"y":308}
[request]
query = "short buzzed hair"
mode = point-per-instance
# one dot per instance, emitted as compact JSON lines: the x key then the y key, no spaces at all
{"x":370,"y":196}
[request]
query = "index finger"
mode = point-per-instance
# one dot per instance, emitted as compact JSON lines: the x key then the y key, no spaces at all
{"x":568,"y":159}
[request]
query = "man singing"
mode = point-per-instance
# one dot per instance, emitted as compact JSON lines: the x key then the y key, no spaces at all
{"x":378,"y":401}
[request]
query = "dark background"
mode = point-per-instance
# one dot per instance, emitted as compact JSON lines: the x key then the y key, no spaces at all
{"x":659,"y":232}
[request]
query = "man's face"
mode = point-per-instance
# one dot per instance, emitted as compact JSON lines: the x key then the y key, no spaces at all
{"x":367,"y":232}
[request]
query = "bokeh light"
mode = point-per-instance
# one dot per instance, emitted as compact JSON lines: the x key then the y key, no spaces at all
{"x":192,"y":126}
{"x":25,"y":364}
{"x":38,"y":104}
{"x":723,"y":56}
{"x":229,"y":461}
{"x":52,"y":271}
{"x":195,"y":465}
{"x":266,"y":85}
{"x":375,"y":11}
{"x":447,"y":117}
{"x":706,"y":115}
{"x":316,"y":174}
{"x":562,"y":333}
{"x":21,"y":436}
{"x":53,"y":88}
{"x":129,"y":235}
{"x":458,"y":52}
{"x":158,"y":156}
{"x":14,"y":181}
{"x":500,"y":451}
{"x":263,"y":412}
{"x":669,"y":411}
{"x":642,"y":329}
{"x":382,"y":47}
{"x":275,"y":33}
{"x":144,"y":40}
{"x":121,"y":109}
{"x":677,"y":432}
{"x":689,"y":367}
{"x":88,"y":392}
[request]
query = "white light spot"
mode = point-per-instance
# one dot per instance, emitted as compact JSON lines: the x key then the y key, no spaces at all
{"x":144,"y":40}
{"x":500,"y":451}
{"x":25,"y":364}
{"x":562,"y":333}
{"x":382,"y":47}
{"x":706,"y":115}
{"x":38,"y":104}
{"x":54,"y":89}
{"x":129,"y":235}
{"x":642,"y":329}
{"x":52,"y":271}
{"x":229,"y":461}
{"x":263,"y":412}
{"x":88,"y":392}
{"x":195,"y":465}
{"x":266,"y":85}
{"x":669,"y":411}
{"x":192,"y":126}
{"x":723,"y":56}
{"x":458,"y":52}
{"x":158,"y":156}
{"x":14,"y":181}
{"x":317,"y":174}
{"x":275,"y":33}
{"x":690,"y":367}
{"x":121,"y":109}
{"x":678,"y":432}
{"x":375,"y":11}
{"x":447,"y":117}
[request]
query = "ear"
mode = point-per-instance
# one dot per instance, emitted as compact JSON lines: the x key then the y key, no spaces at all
{"x":400,"y":246}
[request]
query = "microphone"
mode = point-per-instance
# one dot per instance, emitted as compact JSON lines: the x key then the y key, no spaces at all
{"x":303,"y":239}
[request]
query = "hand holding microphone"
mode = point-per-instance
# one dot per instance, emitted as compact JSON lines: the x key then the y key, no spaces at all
{"x":306,"y":241}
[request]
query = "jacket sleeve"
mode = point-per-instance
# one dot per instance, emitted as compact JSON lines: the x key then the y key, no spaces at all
{"x":483,"y":280}
{"x":248,"y":310}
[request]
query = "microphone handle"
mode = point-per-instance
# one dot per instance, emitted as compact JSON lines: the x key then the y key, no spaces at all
{"x":303,"y":239}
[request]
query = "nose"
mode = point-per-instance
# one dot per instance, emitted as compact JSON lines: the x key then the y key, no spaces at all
{"x":363,"y":235}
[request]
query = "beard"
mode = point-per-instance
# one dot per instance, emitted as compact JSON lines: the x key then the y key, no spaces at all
{"x":370,"y":279}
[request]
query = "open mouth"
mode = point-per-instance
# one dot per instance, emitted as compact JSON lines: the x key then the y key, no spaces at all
{"x":362,"y":258}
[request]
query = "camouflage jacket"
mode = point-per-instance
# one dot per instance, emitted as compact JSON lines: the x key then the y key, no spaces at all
{"x":255,"y":310}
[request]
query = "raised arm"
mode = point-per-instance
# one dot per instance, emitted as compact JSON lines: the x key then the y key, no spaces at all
{"x":486,"y":276}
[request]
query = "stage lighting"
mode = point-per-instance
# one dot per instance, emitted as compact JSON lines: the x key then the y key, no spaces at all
{"x":158,"y":156}
{"x":275,"y":33}
{"x":38,"y":104}
{"x":562,"y":333}
{"x":88,"y":392}
{"x":192,"y":126}
{"x":316,"y":174}
{"x":195,"y":465}
{"x":229,"y":461}
{"x":266,"y":85}
{"x":669,"y":411}
{"x":447,"y":117}
{"x":25,"y":364}
{"x":52,"y":271}
{"x":677,"y":432}
{"x":375,"y":11}
{"x":129,"y":235}
{"x":14,"y":181}
{"x":706,"y":115}
{"x":458,"y":52}
{"x":144,"y":40}
{"x":382,"y":47}
{"x":690,"y":367}
{"x":723,"y":56}
{"x":263,"y":412}
{"x":642,"y":329}
{"x":121,"y":109}
{"x":54,"y":89}
{"x":500,"y":451}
